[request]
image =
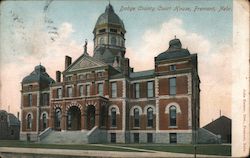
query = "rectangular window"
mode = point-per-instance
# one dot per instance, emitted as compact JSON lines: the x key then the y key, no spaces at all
{"x":87,"y":90}
{"x":99,"y":74}
{"x":80,"y":77}
{"x":100,"y":89}
{"x":68,"y":78}
{"x":30,"y":99}
{"x":173,"y":138}
{"x":113,"y":137}
{"x":113,"y":30}
{"x":136,"y":138}
{"x":114,"y":89}
{"x":150,"y":89}
{"x":81,"y":90}
{"x":45,"y":99}
{"x":150,"y":137}
{"x":102,"y":30}
{"x":172,"y":86}
{"x":59,"y":93}
{"x":137,"y":90}
{"x":88,"y":75}
{"x":172,"y":67}
{"x":69,"y":91}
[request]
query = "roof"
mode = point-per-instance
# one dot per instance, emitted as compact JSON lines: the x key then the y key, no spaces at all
{"x":142,"y":74}
{"x":12,"y":119}
{"x":174,"y":51}
{"x":38,"y":75}
{"x":84,"y":62}
{"x":109,"y":17}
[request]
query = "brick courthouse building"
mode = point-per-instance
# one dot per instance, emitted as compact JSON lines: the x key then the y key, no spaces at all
{"x":101,"y":99}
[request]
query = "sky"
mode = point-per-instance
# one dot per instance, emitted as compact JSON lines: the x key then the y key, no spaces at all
{"x":34,"y":32}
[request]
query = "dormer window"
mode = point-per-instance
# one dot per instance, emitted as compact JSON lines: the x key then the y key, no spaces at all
{"x":102,"y":30}
{"x":30,"y":87}
{"x":113,"y":30}
{"x":172,"y":67}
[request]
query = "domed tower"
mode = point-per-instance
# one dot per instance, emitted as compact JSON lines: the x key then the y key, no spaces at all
{"x":109,"y":40}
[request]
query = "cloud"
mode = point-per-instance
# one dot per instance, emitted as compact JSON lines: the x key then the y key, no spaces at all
{"x":40,"y":49}
{"x":214,"y":64}
{"x":155,"y":41}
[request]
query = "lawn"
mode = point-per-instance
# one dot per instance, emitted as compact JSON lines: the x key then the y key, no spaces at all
{"x":205,"y":149}
{"x":208,"y":149}
{"x":22,"y":144}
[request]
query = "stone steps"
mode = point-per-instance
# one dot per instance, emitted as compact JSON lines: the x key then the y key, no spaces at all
{"x":66,"y":137}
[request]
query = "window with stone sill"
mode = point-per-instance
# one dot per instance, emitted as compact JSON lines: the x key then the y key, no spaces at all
{"x":87,"y":90}
{"x":150,"y":117}
{"x":59,"y":93}
{"x":136,"y":118}
{"x":99,"y":74}
{"x":69,"y":92}
{"x":172,"y":116}
{"x":29,"y":121}
{"x":81,"y":90}
{"x":113,"y":89}
{"x":87,"y":76}
{"x":68,"y":78}
{"x":30,"y":87}
{"x":172,"y":67}
{"x":113,"y":117}
{"x":172,"y":86}
{"x":29,"y":99}
{"x":80,"y":77}
{"x":100,"y":89}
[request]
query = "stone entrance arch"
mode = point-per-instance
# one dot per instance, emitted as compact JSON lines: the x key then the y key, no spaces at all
{"x":90,"y":116}
{"x":74,"y":118}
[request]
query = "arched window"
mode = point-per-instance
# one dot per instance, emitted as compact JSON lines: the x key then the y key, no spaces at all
{"x":113,"y":41}
{"x":150,"y":117}
{"x":44,"y":120}
{"x":58,"y":115}
{"x":29,"y":121}
{"x":113,"y":117}
{"x":136,"y":117}
{"x":101,"y":40}
{"x":172,"y":115}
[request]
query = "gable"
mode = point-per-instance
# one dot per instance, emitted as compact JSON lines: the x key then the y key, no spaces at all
{"x":84,"y":62}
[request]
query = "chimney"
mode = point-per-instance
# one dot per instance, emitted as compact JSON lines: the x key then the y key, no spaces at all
{"x":67,"y":61}
{"x":58,"y":76}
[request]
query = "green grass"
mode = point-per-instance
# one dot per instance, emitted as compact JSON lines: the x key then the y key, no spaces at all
{"x":208,"y":149}
{"x":22,"y":144}
{"x":205,"y":149}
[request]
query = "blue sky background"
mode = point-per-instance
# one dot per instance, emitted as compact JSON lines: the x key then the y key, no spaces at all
{"x":148,"y":33}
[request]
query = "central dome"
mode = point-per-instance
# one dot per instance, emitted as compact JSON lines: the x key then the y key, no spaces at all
{"x":109,"y":17}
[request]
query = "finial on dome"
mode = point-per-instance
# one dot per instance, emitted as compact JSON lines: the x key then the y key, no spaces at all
{"x":85,"y":47}
{"x":174,"y":36}
{"x":109,"y":8}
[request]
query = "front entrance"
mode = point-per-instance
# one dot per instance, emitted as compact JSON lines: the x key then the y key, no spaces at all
{"x":90,"y":117}
{"x":74,"y":118}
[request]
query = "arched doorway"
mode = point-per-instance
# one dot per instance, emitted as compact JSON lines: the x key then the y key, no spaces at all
{"x":74,"y":118}
{"x":90,"y":117}
{"x":58,"y":116}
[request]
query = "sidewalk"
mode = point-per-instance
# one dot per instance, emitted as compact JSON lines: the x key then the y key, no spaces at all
{"x":93,"y":153}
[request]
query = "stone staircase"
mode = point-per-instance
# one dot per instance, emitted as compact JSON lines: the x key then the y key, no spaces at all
{"x":207,"y":137}
{"x":66,"y":137}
